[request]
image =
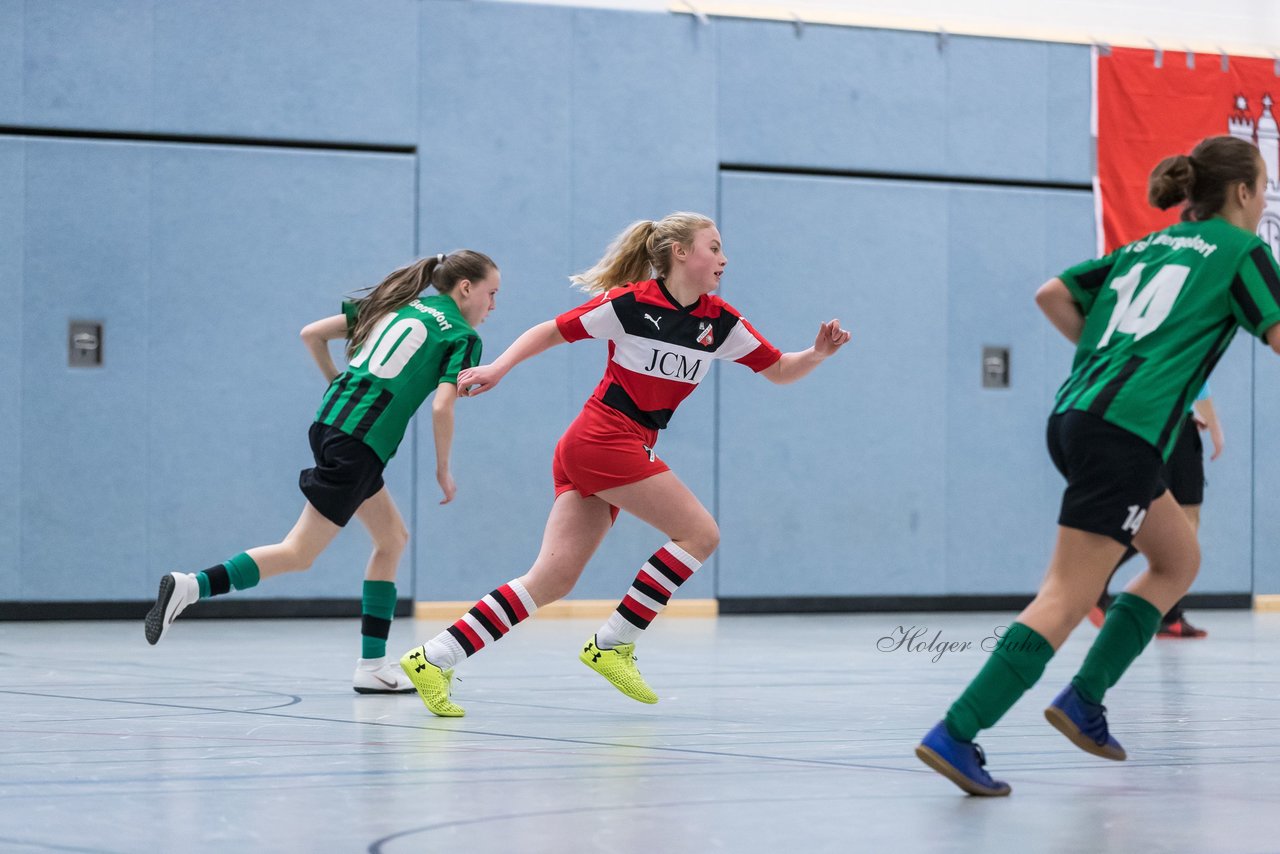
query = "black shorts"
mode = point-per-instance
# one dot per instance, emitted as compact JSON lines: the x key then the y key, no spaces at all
{"x":1112,"y":475}
{"x":347,"y":472}
{"x":1184,"y":472}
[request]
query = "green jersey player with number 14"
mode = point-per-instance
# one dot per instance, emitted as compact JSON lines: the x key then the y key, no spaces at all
{"x":401,"y":347}
{"x":1150,"y":321}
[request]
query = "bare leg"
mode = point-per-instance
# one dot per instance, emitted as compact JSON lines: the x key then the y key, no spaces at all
{"x":1079,"y":568}
{"x":1193,"y":516}
{"x":298,"y":550}
{"x":382,"y":519}
{"x":668,"y":505}
{"x":575,"y":529}
{"x":1168,"y":541}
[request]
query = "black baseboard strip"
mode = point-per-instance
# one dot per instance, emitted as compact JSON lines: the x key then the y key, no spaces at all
{"x":275,"y":609}
{"x":881,"y":604}
{"x":238,"y":609}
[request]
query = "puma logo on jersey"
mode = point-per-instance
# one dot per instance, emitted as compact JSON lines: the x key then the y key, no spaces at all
{"x":706,"y":334}
{"x":654,"y":321}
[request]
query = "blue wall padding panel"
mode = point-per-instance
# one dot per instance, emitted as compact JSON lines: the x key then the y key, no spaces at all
{"x":885,"y":101}
{"x":203,"y":263}
{"x":294,"y":69}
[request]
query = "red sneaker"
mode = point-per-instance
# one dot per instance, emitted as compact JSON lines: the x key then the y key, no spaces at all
{"x":1180,"y":629}
{"x":1097,"y":615}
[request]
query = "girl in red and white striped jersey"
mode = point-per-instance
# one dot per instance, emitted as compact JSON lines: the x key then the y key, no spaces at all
{"x":663,"y":335}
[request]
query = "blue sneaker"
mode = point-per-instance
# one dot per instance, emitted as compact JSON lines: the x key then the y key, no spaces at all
{"x":960,"y":762}
{"x":1084,"y":722}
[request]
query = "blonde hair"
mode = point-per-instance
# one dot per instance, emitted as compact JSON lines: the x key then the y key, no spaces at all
{"x":642,"y":249}
{"x":403,"y":286}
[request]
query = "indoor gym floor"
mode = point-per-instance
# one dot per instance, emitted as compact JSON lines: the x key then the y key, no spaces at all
{"x":779,"y":733}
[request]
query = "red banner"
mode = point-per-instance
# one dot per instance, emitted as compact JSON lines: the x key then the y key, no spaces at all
{"x":1151,"y":105}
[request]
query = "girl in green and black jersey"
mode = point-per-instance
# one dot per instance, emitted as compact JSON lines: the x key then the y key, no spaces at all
{"x":401,"y":347}
{"x":1150,"y":321}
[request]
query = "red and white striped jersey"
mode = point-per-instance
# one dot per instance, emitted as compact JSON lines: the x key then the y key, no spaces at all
{"x":659,"y":351}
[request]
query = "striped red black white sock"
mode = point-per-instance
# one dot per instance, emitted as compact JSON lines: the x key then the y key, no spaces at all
{"x":653,"y":588}
{"x":487,"y":621}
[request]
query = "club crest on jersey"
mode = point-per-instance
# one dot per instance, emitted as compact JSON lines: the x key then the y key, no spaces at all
{"x":706,"y":334}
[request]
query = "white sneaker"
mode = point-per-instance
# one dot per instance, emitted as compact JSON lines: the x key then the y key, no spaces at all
{"x":177,"y":591}
{"x":378,"y":676}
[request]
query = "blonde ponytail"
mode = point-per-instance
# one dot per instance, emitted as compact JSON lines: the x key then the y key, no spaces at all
{"x":642,"y":250}
{"x":626,"y":260}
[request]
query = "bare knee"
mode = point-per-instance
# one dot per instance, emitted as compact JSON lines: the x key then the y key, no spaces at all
{"x":299,"y":559}
{"x":393,"y":543}
{"x":701,"y":542}
{"x":546,"y":587}
{"x":1073,"y":608}
{"x":1183,"y":565}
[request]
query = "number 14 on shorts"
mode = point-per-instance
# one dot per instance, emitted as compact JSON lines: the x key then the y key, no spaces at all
{"x":1134,"y":521}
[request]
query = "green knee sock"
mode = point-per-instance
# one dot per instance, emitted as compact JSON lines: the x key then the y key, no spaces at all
{"x":1130,"y":625}
{"x":239,"y":573}
{"x":378,"y":606}
{"x":1015,"y":665}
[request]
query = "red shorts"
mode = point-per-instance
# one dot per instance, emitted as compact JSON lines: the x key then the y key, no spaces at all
{"x":602,"y":449}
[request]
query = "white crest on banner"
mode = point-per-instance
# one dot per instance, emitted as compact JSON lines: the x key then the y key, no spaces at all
{"x":1264,"y":132}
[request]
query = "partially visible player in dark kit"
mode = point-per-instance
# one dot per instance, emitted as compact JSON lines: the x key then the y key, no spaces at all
{"x":1150,"y":321}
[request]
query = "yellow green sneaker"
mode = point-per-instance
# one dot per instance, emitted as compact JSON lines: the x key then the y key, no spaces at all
{"x":433,"y":684}
{"x":618,"y":665}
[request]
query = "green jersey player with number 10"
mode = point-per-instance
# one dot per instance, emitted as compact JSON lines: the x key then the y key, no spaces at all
{"x":1150,"y":321}
{"x":401,"y":347}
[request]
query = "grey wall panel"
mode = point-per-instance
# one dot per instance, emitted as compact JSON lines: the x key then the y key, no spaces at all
{"x":85,"y":446}
{"x":835,"y":485}
{"x":12,"y":215}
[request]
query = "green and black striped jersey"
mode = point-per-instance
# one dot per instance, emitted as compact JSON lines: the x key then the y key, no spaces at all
{"x":407,"y":354}
{"x":1159,"y":313}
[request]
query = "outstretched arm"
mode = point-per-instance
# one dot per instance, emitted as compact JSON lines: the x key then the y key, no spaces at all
{"x":480,"y":379}
{"x":442,"y":429}
{"x":1057,"y":303}
{"x":316,"y":336}
{"x":793,"y":366}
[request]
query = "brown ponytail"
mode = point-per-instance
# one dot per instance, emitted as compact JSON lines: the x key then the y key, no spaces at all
{"x":404,"y":285}
{"x":1203,"y":178}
